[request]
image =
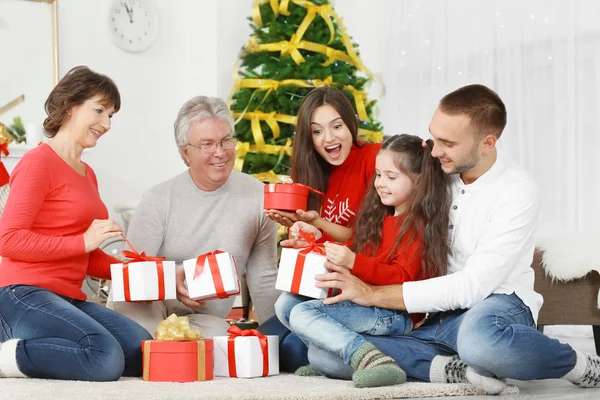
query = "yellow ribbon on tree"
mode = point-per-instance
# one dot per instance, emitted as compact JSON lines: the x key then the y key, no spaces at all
{"x":256,"y":17}
{"x":243,"y":148}
{"x":359,"y":100}
{"x":370,"y":136}
{"x":270,"y":177}
{"x":271,"y":119}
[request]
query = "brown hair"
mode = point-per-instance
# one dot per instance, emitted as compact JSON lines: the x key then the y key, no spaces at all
{"x":308,"y":167}
{"x":77,"y":86}
{"x":481,"y":104}
{"x":428,"y":207}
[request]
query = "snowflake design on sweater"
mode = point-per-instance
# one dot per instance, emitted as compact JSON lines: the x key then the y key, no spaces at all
{"x":338,"y":212}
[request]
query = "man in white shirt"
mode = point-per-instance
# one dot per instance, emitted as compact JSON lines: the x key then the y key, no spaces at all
{"x":483,"y":312}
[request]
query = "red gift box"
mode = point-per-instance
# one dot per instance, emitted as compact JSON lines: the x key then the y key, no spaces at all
{"x":165,"y":361}
{"x":287,"y":196}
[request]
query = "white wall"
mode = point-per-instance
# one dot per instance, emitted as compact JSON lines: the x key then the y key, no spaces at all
{"x":140,"y":150}
{"x":26,"y":66}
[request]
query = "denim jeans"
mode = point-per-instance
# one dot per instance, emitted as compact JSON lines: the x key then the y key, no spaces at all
{"x":337,"y":327}
{"x":63,"y":338}
{"x":497,"y":337}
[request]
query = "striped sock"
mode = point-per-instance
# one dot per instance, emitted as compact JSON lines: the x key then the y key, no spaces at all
{"x":446,"y":369}
{"x":586,"y":372}
{"x":372,"y":368}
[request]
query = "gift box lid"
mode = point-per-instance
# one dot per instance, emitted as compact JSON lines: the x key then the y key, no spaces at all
{"x":292,"y":188}
{"x":160,"y":346}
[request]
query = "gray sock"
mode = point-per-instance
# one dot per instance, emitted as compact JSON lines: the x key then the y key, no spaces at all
{"x":307,"y":370}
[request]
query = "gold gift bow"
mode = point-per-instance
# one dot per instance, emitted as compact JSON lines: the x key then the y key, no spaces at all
{"x":201,"y":360}
{"x":176,"y":329}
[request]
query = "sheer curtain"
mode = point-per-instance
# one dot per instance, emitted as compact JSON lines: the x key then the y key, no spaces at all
{"x":542,"y":57}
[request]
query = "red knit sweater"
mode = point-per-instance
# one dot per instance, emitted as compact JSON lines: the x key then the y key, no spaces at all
{"x":405,"y":266}
{"x":348,"y":184}
{"x":49,"y":208}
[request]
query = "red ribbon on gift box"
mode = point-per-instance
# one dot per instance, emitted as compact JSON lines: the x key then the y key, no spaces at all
{"x":309,"y":238}
{"x":134,"y":256}
{"x":214,"y":269}
{"x":235,"y":332}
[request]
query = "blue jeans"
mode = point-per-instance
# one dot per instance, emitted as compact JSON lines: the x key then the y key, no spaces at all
{"x":497,"y":337}
{"x":337,"y":327}
{"x":63,"y":338}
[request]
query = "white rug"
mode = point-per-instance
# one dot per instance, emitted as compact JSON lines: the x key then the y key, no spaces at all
{"x":286,"y":386}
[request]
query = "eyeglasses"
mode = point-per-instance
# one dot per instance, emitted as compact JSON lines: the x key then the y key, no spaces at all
{"x":211,"y":147}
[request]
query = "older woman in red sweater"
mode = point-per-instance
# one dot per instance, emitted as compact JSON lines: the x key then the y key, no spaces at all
{"x":50,"y":231}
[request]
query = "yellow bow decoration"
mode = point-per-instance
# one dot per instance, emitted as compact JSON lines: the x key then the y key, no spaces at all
{"x":286,"y":48}
{"x":176,"y":329}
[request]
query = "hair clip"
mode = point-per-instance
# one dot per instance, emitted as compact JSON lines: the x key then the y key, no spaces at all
{"x":424,"y":143}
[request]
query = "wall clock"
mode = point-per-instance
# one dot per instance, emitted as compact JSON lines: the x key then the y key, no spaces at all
{"x":133,"y":24}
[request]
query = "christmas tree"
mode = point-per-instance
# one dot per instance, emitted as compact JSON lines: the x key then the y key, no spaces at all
{"x":296,"y":45}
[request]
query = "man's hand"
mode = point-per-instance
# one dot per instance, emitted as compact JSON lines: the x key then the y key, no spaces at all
{"x":340,"y":255}
{"x":352,"y":288}
{"x":182,"y":292}
{"x":287,"y":219}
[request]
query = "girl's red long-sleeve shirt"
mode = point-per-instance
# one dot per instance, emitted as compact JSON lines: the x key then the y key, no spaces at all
{"x":405,"y":266}
{"x":348,"y":184}
{"x":49,"y":208}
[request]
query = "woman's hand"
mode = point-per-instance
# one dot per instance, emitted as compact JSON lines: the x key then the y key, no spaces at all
{"x":182,"y":292}
{"x":340,"y":255}
{"x":287,"y":219}
{"x":99,"y":231}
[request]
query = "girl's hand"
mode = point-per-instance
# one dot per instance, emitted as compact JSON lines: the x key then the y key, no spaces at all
{"x":287,"y":219}
{"x":295,"y":240}
{"x":340,"y":255}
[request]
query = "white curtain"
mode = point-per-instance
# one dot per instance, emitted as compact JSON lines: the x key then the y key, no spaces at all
{"x":541,"y":56}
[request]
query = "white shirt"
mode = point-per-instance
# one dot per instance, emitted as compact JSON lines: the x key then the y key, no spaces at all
{"x":492,"y":237}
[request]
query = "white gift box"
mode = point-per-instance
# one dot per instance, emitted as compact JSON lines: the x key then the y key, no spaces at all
{"x":314,"y":264}
{"x":143,"y":281}
{"x":203,"y":286}
{"x":248,"y":356}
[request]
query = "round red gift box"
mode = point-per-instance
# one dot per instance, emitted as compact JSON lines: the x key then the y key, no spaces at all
{"x":286,"y":196}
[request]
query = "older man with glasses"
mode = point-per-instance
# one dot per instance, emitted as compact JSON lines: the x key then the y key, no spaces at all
{"x":205,"y":208}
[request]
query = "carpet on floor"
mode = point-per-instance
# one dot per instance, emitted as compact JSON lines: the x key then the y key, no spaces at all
{"x":284,"y":386}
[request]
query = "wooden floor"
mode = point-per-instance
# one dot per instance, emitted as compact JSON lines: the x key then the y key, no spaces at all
{"x":551,"y":389}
